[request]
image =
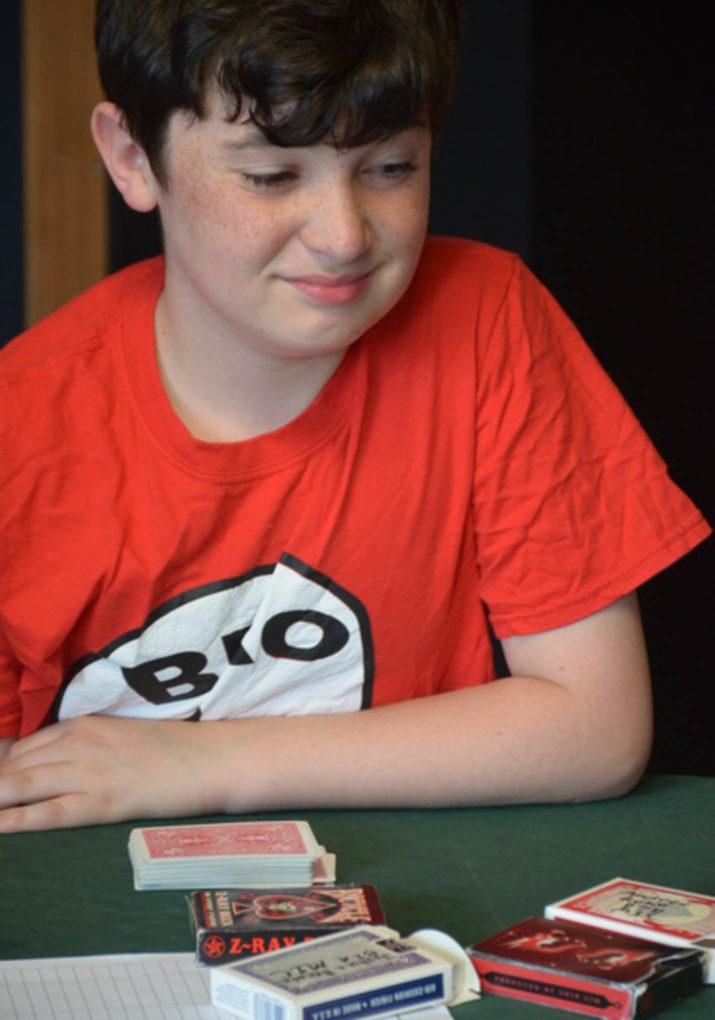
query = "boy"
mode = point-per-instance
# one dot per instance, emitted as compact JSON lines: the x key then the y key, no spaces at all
{"x":262,"y":495}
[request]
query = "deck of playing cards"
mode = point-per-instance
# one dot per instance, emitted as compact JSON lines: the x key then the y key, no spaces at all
{"x":231,"y":924}
{"x":244,"y":854}
{"x":670,"y":916}
{"x":363,"y":972}
{"x":585,"y":970}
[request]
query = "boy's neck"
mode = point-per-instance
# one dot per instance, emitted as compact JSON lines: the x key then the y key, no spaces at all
{"x":224,"y":394}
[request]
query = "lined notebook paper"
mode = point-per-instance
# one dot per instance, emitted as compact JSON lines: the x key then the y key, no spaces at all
{"x":160,"y":986}
{"x":137,"y":986}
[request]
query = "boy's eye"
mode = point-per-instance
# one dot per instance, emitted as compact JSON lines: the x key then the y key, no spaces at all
{"x":394,"y":171}
{"x":268,"y":180}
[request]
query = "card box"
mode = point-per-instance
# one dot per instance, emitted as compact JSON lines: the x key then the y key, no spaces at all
{"x":670,"y":916}
{"x":364,"y":972}
{"x":231,"y":924}
{"x":585,"y":970}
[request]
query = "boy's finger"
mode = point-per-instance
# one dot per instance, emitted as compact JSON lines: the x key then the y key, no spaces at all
{"x":35,"y":741}
{"x":67,"y":811}
{"x":42,"y":782}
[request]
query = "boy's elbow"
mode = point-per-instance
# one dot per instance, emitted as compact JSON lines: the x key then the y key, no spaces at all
{"x":621,"y":757}
{"x":625,"y":774}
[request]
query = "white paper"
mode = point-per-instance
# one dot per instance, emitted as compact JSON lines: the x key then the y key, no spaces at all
{"x":133,"y":986}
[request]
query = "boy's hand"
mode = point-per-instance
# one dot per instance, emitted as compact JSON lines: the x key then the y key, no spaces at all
{"x":99,"y":769}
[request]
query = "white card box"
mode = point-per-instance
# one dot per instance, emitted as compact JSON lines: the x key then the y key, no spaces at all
{"x":366,"y":972}
{"x":672,"y":917}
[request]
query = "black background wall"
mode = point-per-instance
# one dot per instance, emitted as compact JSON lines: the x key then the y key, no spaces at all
{"x":581,"y":137}
{"x":621,"y":229}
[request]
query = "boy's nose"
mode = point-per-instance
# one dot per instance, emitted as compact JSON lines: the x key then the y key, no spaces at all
{"x":336,"y":224}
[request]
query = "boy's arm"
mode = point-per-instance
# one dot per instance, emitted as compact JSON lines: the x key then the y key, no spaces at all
{"x":5,"y":746}
{"x":574,"y":722}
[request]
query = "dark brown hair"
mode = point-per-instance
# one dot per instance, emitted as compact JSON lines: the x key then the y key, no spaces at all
{"x":351,"y":71}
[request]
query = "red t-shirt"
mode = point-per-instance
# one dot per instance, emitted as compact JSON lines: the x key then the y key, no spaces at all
{"x":469,"y":452}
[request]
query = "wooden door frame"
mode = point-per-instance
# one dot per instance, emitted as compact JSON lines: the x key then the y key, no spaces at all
{"x":65,"y":210}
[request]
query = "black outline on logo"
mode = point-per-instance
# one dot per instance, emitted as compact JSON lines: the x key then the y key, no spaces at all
{"x":310,"y":573}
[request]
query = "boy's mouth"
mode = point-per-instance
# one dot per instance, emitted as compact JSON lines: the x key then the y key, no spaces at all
{"x":330,"y":290}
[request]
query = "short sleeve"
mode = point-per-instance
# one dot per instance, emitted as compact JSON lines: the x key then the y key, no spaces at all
{"x":573,"y":505}
{"x":9,"y":692}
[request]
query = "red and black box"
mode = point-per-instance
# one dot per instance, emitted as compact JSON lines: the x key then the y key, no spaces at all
{"x":585,"y":970}
{"x":230,"y":924}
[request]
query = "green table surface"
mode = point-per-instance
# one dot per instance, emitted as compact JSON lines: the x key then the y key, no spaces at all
{"x":469,"y":872}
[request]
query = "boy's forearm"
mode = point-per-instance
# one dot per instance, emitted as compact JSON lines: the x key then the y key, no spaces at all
{"x":519,"y":739}
{"x":577,"y":726}
{"x":574,"y":723}
{"x":516,"y":740}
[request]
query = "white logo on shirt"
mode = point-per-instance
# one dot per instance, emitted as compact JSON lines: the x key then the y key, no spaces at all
{"x":280,"y":640}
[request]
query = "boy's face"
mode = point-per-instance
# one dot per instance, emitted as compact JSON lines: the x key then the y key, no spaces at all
{"x":288,"y":251}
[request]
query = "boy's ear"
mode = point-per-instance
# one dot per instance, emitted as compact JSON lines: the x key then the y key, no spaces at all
{"x":125,"y":160}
